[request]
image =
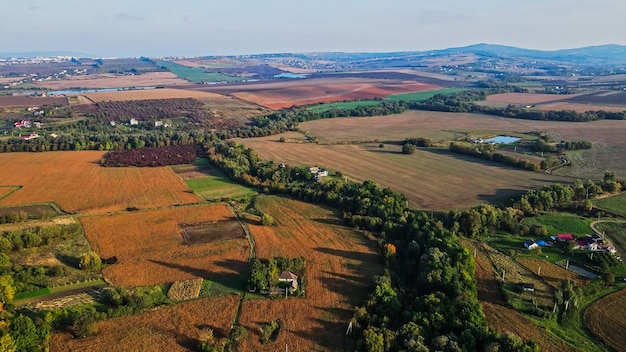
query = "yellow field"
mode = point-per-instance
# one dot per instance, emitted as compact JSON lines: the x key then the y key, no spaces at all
{"x":340,"y":266}
{"x":164,"y":93}
{"x":78,"y":184}
{"x":150,"y":249}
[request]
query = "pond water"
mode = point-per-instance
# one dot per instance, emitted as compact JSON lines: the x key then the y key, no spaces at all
{"x":290,"y":75}
{"x":502,"y":139}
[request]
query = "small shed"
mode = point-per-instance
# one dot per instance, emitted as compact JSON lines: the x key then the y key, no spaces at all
{"x":542,"y":243}
{"x":529,"y":287}
{"x":531,"y":244}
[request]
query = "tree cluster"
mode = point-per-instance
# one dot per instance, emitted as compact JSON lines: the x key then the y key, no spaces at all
{"x":264,"y":274}
{"x":169,"y":155}
{"x":488,"y":152}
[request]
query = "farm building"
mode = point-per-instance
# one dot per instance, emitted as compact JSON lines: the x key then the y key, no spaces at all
{"x":531,"y":244}
{"x":23,"y":123}
{"x":564,"y":237}
{"x":134,"y":121}
{"x":290,"y":278}
{"x":542,"y":243}
{"x":529,"y":287}
{"x":314,"y":169}
{"x":30,"y":136}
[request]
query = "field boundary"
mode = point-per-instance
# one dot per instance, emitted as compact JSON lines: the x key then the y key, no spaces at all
{"x":15,"y":189}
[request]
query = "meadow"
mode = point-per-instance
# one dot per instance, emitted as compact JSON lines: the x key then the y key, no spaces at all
{"x":615,"y":204}
{"x":196,"y":74}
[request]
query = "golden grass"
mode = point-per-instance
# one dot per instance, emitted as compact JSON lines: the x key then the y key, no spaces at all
{"x":114,"y":81}
{"x":77,"y":183}
{"x":150,"y":249}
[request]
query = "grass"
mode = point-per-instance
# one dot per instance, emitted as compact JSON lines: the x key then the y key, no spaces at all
{"x":26,"y":295}
{"x":217,"y":186}
{"x":557,"y":223}
{"x":616,"y":204}
{"x":423,"y":95}
{"x":514,"y":245}
{"x":345,"y":105}
{"x":197,"y":75}
{"x":224,"y":285}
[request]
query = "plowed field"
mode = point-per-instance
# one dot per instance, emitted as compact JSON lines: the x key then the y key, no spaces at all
{"x":114,"y":81}
{"x":165,"y":93}
{"x":27,"y":101}
{"x":173,"y":329}
{"x":605,"y":319}
{"x":340,"y":267}
{"x":551,"y":273}
{"x":77,"y":183}
{"x":150,"y":247}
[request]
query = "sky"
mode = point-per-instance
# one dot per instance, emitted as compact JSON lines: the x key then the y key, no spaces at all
{"x":133,"y":28}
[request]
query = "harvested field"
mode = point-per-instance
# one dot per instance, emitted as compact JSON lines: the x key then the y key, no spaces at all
{"x":213,"y":231}
{"x":340,"y":265}
{"x":527,"y":98}
{"x":552,"y":273}
{"x":605,"y":319}
{"x":145,"y":94}
{"x":114,"y":81}
{"x":579,"y":107}
{"x":77,"y":183}
{"x":22,"y":101}
{"x":606,"y":97}
{"x":172,"y":328}
{"x":150,"y":248}
{"x":431,"y":179}
{"x":283,"y":94}
{"x":607,"y":136}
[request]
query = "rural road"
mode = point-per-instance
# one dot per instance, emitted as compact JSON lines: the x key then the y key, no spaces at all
{"x":593,"y":224}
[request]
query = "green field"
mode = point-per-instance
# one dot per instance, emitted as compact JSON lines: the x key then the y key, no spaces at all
{"x":423,"y":95}
{"x":216,"y":185}
{"x":557,"y":223}
{"x":615,"y":204}
{"x":197,"y":75}
{"x":616,"y":232}
{"x":344,"y":105}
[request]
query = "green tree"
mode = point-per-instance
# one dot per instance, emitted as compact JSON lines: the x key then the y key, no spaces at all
{"x":408,"y":148}
{"x":267,"y":220}
{"x":7,"y":289}
{"x":90,"y":261}
{"x":24,"y":333}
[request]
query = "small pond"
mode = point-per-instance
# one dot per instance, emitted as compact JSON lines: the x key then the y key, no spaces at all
{"x":502,"y":139}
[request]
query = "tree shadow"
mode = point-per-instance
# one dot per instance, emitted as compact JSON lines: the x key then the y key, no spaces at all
{"x":329,"y":221}
{"x":68,"y":260}
{"x":218,"y":333}
{"x":363,"y":257}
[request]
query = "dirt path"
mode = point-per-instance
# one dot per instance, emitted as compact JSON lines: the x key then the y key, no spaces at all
{"x":593,"y":224}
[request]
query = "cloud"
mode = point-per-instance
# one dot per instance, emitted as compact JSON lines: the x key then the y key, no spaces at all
{"x":127,"y":17}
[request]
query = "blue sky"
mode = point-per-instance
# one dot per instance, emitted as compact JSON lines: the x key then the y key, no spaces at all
{"x":129,"y":28}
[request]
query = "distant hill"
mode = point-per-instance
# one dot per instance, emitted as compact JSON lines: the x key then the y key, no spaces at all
{"x":42,"y":54}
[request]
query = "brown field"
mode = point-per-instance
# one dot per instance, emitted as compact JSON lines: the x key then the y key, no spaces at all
{"x":579,"y":107}
{"x":114,"y":81}
{"x":163,"y":93}
{"x":340,"y":267}
{"x":77,"y":183}
{"x":34,"y":210}
{"x":605,"y":319}
{"x":431,"y":179}
{"x":22,"y":101}
{"x":499,"y":315}
{"x":527,"y":98}
{"x":172,"y":328}
{"x":5,"y":80}
{"x":150,"y":248}
{"x":283,"y":94}
{"x":551,"y":273}
{"x":212,"y":231}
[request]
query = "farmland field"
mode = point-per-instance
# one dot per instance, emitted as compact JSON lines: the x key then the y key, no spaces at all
{"x":615,"y":204}
{"x":566,"y":105}
{"x":77,"y":183}
{"x":551,"y":273}
{"x":113,"y":81}
{"x":150,"y":247}
{"x":557,"y":223}
{"x":431,"y":179}
{"x":605,"y":318}
{"x":340,"y":265}
{"x":527,"y":98}
{"x":144,"y":94}
{"x":282,"y":94}
{"x":419,"y":96}
{"x":197,"y":74}
{"x":172,"y":328}
{"x":606,"y":135}
{"x":616,"y":232}
{"x":210,"y":183}
{"x":28,"y":101}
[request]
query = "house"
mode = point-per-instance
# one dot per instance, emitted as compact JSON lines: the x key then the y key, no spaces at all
{"x":314,"y":169}
{"x":531,"y":244}
{"x":158,"y":123}
{"x":112,"y":123}
{"x":290,"y":278}
{"x":587,"y":243}
{"x":564,"y":237}
{"x":30,"y":136}
{"x":134,"y":121}
{"x":23,"y":123}
{"x":38,"y":124}
{"x":528,"y":287}
{"x":53,"y":135}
